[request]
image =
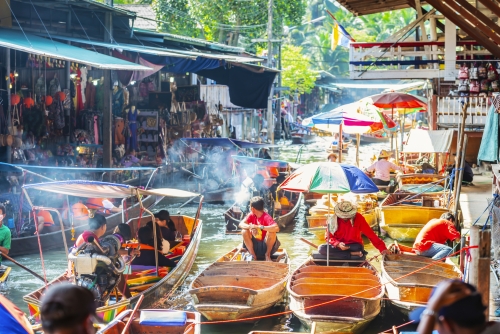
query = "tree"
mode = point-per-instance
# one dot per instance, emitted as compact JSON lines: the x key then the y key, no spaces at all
{"x":297,"y":73}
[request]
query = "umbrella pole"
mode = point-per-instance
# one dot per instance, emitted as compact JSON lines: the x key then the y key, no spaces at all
{"x":392,"y":135}
{"x":328,"y":232}
{"x":402,"y":132}
{"x":340,"y":142}
{"x":358,"y":139}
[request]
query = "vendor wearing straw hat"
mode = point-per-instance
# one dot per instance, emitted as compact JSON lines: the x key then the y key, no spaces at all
{"x":344,"y":235}
{"x":382,"y":169}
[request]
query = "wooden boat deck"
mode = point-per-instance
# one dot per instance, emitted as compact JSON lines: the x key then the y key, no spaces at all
{"x":234,"y":289}
{"x":355,"y":294}
{"x":408,"y":289}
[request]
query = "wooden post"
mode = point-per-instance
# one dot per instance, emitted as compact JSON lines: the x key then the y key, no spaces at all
{"x":358,"y":139}
{"x":107,"y":113}
{"x":340,"y":142}
{"x":460,"y":141}
{"x":459,"y":177}
{"x":483,"y":268}
{"x":474,"y":252}
{"x":8,"y":108}
{"x":462,"y":254}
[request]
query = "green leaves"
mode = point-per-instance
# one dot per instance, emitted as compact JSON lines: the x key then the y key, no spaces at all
{"x":297,"y":73}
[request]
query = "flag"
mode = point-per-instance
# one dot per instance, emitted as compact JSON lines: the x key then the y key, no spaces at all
{"x":389,"y":124}
{"x":340,"y":36}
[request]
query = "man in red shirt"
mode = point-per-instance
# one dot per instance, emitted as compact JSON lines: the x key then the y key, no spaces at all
{"x":345,"y":234}
{"x":97,"y":228}
{"x":259,"y":231}
{"x":431,"y":240}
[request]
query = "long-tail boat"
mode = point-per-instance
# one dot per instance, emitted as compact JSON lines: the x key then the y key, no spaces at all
{"x":342,"y":297}
{"x":407,"y":290}
{"x":232,"y":288}
{"x":153,"y":282}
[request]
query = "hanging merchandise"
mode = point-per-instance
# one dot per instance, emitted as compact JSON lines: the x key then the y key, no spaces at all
{"x":132,"y":114}
{"x":15,"y":99}
{"x":474,"y":87}
{"x":463,"y":86}
{"x":492,"y":73}
{"x":56,"y":115}
{"x":485,"y":86}
{"x":463,"y":72}
{"x":117,"y":100}
{"x":83,"y":77}
{"x":90,"y":92}
{"x":40,"y":90}
{"x":494,"y":86}
{"x":473,"y":73}
{"x":54,"y":85}
{"x":48,"y":100}
{"x":28,"y":102}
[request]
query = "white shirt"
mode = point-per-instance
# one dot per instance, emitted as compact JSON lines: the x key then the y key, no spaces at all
{"x":382,"y":169}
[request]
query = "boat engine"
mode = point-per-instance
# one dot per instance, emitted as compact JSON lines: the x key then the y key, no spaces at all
{"x":98,"y":266}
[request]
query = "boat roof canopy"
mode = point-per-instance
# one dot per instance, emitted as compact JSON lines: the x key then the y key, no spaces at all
{"x":260,"y":162}
{"x":425,"y":141}
{"x":225,"y":142}
{"x":95,"y":189}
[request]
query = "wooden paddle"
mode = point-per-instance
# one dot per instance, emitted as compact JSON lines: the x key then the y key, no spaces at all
{"x":129,"y":321}
{"x":236,"y":254}
{"x":308,"y":242}
{"x":20,"y":265}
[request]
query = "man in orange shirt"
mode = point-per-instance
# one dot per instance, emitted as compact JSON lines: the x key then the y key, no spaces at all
{"x":431,"y":240}
{"x":46,"y":222}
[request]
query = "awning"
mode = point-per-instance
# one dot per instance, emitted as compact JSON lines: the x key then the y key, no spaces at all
{"x":260,"y":162}
{"x":94,"y":189}
{"x":20,"y":41}
{"x":424,"y":141}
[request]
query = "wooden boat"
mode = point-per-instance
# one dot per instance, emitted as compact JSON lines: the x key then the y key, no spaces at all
{"x":4,"y":276}
{"x":219,"y":195}
{"x":232,"y":289}
{"x":283,"y":217}
{"x":402,"y":215}
{"x":420,"y":183}
{"x":191,"y":326}
{"x":303,"y":139}
{"x":317,"y":224}
{"x":355,"y":294}
{"x":152,"y":292}
{"x":370,"y":138}
{"x":29,"y":245}
{"x":412,"y":291}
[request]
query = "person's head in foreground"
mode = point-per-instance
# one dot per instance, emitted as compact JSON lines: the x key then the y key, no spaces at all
{"x":332,"y":157}
{"x":345,"y":210}
{"x":68,"y":309}
{"x":257,"y":205}
{"x":454,"y":307}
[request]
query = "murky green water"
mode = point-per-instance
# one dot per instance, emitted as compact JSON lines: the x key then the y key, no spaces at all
{"x":215,"y":243}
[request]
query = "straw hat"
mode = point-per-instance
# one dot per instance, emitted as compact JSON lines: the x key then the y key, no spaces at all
{"x":384,"y":154}
{"x":345,"y":210}
{"x":263,"y":130}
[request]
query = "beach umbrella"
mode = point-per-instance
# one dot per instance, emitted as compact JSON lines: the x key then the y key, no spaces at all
{"x":329,"y":178}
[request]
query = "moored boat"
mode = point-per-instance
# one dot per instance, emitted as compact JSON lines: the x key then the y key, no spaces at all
{"x":231,"y":288}
{"x":4,"y":276}
{"x":155,"y":321}
{"x":347,"y":297}
{"x":375,"y":137}
{"x":303,"y":139}
{"x":407,"y":290}
{"x":403,"y":215}
{"x":420,"y":183}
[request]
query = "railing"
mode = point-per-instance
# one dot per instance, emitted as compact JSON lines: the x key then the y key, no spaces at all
{"x":449,"y":111}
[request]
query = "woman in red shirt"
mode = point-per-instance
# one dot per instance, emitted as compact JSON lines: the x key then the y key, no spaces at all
{"x":345,"y":239}
{"x":432,"y":238}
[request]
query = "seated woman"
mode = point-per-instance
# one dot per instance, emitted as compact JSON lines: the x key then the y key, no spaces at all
{"x":147,"y":256}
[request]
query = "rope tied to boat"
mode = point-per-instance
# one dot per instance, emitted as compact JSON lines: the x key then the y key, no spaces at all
{"x":331,"y":301}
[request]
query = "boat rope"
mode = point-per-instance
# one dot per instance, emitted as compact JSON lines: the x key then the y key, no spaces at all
{"x":35,"y":219}
{"x":396,"y":327}
{"x":338,"y":299}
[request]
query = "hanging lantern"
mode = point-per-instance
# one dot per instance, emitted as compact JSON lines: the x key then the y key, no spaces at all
{"x":61,"y":96}
{"x":28,"y":102}
{"x":15,"y":99}
{"x":48,"y":100}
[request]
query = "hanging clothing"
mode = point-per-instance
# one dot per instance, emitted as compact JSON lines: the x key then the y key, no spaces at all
{"x":118,"y":103}
{"x":132,"y":122}
{"x":79,"y":93}
{"x":90,"y":96}
{"x":83,"y":76}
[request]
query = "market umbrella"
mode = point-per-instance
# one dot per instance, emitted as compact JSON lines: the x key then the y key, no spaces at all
{"x":329,"y":178}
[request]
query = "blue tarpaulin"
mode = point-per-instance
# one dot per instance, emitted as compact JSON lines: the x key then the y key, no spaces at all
{"x":488,"y":151}
{"x":183,"y":65}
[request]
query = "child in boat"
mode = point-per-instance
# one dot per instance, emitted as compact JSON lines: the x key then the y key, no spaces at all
{"x":344,"y":239}
{"x":259,"y":231}
{"x":147,"y":256}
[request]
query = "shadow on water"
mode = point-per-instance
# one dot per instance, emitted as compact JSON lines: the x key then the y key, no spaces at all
{"x":214,"y":244}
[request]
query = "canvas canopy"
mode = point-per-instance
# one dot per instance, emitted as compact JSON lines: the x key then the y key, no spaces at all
{"x":93,"y":189}
{"x":260,"y":162}
{"x":425,"y":141}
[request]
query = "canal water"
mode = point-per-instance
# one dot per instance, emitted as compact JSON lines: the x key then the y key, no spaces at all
{"x":215,"y":243}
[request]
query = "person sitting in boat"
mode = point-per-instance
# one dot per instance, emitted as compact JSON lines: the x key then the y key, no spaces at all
{"x":454,"y":307}
{"x":68,"y":308}
{"x":259,"y":231}
{"x":80,"y":212}
{"x":147,"y":254}
{"x":102,"y":205}
{"x":382,"y":169}
{"x":344,"y":237}
{"x":97,"y":228}
{"x":332,"y":157}
{"x":264,"y":154}
{"x":432,"y":238}
{"x":263,"y":135}
{"x":46,"y":222}
{"x":5,"y":235}
{"x":274,"y":188}
{"x":130,"y":159}
{"x":335,"y":141}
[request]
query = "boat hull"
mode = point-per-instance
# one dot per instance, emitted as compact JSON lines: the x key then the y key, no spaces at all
{"x":303,"y":140}
{"x":219,"y":195}
{"x":231,"y":289}
{"x":54,"y":240}
{"x":409,"y":291}
{"x":154,"y":294}
{"x":344,"y":299}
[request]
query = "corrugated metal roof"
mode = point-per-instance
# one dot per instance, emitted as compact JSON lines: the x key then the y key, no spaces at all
{"x":142,"y":11}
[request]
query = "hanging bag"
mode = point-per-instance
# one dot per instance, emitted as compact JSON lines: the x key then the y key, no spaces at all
{"x":463,"y":72}
{"x":494,"y":86}
{"x":474,"y":87}
{"x":484,"y":85}
{"x":492,"y":73}
{"x":463,"y":86}
{"x":481,"y":72}
{"x":473,"y":75}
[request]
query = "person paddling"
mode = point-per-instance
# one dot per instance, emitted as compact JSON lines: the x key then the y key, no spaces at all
{"x":383,"y":169}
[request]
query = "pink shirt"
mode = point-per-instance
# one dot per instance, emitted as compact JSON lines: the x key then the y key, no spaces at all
{"x":382,"y":169}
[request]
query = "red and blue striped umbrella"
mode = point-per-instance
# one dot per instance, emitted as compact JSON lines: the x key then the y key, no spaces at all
{"x":329,"y":178}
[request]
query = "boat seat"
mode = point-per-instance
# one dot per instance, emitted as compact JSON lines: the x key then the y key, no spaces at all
{"x":336,"y":280}
{"x":249,"y":282}
{"x":318,"y":256}
{"x":336,"y":269}
{"x":313,"y":289}
{"x":334,"y":275}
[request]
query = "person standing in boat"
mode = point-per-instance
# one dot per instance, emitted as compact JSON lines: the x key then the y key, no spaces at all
{"x":259,"y":231}
{"x":432,"y":238}
{"x":5,"y":236}
{"x":344,"y":237}
{"x":382,"y":169}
